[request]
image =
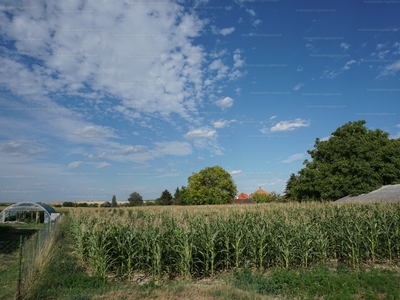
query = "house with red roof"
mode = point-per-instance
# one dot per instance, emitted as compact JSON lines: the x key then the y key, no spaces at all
{"x":243,"y":198}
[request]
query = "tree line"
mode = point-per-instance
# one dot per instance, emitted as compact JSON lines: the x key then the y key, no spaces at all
{"x":354,"y":160}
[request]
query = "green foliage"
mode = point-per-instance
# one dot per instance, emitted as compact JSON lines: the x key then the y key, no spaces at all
{"x":212,"y":185}
{"x":114,"y":201}
{"x":321,"y":282}
{"x":177,"y":193}
{"x":84,"y":204}
{"x":353,"y":161}
{"x":68,"y":204}
{"x":165,"y":198}
{"x":261,"y":198}
{"x":135,"y":199}
{"x":179,"y":196}
{"x":272,"y":197}
{"x":106,"y":204}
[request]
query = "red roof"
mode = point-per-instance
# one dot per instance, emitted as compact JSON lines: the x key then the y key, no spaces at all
{"x":260,"y":191}
{"x":242,"y":196}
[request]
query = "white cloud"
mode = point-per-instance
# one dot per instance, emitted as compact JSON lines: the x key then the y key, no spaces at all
{"x":238,"y":62}
{"x":200,"y":133}
{"x":102,"y":165}
{"x":298,"y":86}
{"x":93,"y":131}
{"x":309,"y":46}
{"x":175,"y":148}
{"x":96,"y":54}
{"x":74,"y":164}
{"x":273,"y":117}
{"x":294,"y":157}
{"x":380,"y":46}
{"x":390,"y":70}
{"x":348,"y":64}
{"x":224,"y":103}
{"x":21,"y":149}
{"x":236,"y":172}
{"x":345,"y":46}
{"x":205,"y":138}
{"x":381,"y":54}
{"x":397,"y":46}
{"x":222,"y":123}
{"x":256,"y":23}
{"x":290,"y":125}
{"x":325,"y":138}
{"x":299,"y":69}
{"x":226,"y":31}
{"x":264,"y":130}
{"x":251,"y":12}
{"x":331,"y":74}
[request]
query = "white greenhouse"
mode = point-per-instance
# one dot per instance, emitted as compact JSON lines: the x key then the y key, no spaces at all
{"x":28,"y":212}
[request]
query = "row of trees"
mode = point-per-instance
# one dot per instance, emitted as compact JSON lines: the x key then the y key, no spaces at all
{"x":353,"y":161}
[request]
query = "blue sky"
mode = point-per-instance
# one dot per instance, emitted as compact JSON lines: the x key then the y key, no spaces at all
{"x":103,"y":98}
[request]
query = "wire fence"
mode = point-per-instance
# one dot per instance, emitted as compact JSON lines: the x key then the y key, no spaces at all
{"x":22,"y":260}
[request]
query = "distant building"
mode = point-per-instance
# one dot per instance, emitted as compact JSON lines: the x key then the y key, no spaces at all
{"x":243,"y":198}
{"x":260,"y":191}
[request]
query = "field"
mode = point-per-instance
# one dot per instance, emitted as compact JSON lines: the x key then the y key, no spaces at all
{"x":234,"y":252}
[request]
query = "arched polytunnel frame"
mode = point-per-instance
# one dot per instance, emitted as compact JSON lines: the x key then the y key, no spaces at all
{"x":28,"y":210}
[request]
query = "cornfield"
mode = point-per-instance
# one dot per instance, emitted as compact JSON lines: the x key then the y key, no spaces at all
{"x":200,"y":242}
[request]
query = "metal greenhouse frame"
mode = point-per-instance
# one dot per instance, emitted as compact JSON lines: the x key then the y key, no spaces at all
{"x":21,"y":210}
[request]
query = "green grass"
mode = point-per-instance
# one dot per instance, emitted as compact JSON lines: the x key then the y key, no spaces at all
{"x":9,"y":255}
{"x":340,"y":283}
{"x":63,"y":275}
{"x":8,"y":275}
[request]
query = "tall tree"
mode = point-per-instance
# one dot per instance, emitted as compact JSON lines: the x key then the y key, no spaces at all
{"x":290,"y":192}
{"x":176,"y":195}
{"x":212,"y":185}
{"x":135,"y":199}
{"x":165,"y":198}
{"x":353,"y":161}
{"x":114,"y":201}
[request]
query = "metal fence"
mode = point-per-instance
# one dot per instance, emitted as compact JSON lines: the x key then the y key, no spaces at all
{"x":29,"y":253}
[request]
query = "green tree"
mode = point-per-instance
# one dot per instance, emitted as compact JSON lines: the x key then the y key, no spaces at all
{"x":353,"y":161}
{"x":261,"y":198}
{"x":135,"y":199}
{"x":290,"y":190}
{"x":176,"y":195}
{"x":165,"y":198}
{"x":179,"y":196}
{"x":105,"y":204}
{"x":212,"y":185}
{"x":114,"y":201}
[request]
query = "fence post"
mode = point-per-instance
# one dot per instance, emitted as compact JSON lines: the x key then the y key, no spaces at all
{"x":18,"y":296}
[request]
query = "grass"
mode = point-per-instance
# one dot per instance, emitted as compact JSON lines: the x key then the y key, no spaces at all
{"x":9,"y":254}
{"x":323,"y":283}
{"x":63,"y":275}
{"x":8,"y":275}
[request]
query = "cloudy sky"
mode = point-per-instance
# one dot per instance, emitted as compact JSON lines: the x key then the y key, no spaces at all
{"x":101,"y":98}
